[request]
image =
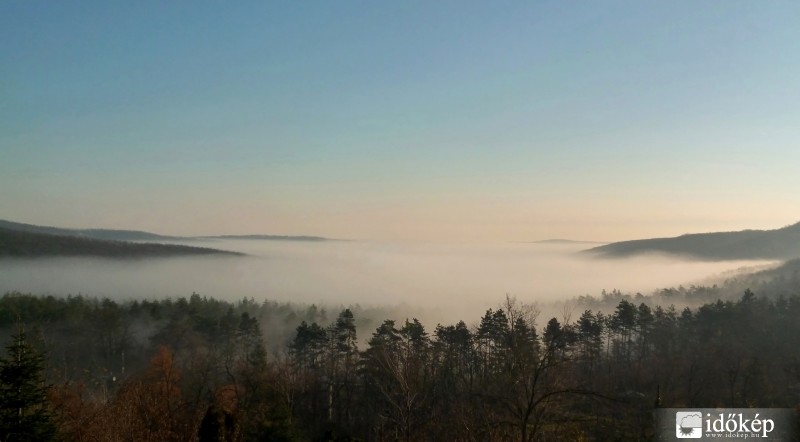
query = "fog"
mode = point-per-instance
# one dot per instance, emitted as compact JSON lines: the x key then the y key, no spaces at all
{"x":443,"y":282}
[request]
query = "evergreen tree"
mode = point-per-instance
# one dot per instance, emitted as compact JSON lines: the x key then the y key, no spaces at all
{"x":24,"y":413}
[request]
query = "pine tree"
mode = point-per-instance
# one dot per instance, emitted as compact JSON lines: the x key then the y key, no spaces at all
{"x":24,"y":413}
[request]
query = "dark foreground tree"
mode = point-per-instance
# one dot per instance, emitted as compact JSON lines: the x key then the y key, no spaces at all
{"x":24,"y":413}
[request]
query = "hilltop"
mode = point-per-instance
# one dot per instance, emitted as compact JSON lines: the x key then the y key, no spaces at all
{"x":783,"y":244}
{"x":138,"y":235}
{"x":103,"y":234}
{"x":27,"y":244}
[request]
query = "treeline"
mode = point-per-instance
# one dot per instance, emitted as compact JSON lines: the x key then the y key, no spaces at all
{"x":199,"y":369}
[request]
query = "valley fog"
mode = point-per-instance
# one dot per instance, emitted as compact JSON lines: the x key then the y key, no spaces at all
{"x":439,"y":282}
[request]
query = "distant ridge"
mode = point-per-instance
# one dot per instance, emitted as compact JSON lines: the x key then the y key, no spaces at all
{"x":27,"y":244}
{"x":563,"y":241}
{"x":104,"y":234}
{"x":270,"y":237}
{"x":783,"y":243}
{"x":138,"y":235}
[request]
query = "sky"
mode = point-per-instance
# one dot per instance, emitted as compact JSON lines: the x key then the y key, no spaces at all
{"x":413,"y":120}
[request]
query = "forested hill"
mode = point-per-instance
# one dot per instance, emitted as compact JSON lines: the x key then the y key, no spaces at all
{"x":21,"y":244}
{"x":781,"y":243}
{"x":138,"y":235}
{"x":104,"y":234}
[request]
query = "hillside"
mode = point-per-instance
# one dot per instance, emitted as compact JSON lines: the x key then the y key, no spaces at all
{"x":23,"y":244}
{"x":104,"y":234}
{"x":138,"y":235}
{"x":781,"y":244}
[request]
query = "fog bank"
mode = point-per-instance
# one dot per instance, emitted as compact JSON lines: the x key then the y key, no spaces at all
{"x":447,"y":281}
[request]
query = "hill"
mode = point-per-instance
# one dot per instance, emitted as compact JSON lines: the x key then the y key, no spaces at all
{"x":138,"y":235}
{"x":781,"y":244}
{"x":104,"y":234}
{"x":26,"y":244}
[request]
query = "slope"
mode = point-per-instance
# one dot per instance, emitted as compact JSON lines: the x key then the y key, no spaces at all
{"x":781,"y":244}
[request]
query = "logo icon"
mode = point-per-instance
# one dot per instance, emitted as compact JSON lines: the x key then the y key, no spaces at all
{"x":688,"y":425}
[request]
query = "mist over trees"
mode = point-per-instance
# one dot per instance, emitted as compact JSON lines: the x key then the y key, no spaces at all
{"x":198,"y":368}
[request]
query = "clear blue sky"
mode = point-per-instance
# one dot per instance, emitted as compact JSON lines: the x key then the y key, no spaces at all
{"x":402,"y":120}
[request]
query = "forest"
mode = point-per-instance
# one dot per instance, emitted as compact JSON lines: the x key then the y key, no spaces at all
{"x":196,"y":368}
